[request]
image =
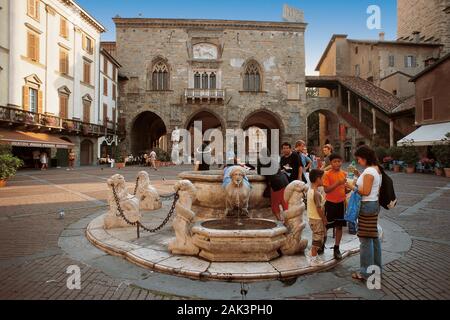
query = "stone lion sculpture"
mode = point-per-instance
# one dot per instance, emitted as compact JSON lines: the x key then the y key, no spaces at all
{"x":237,"y":191}
{"x":293,"y":195}
{"x":128,"y":203}
{"x":148,"y":196}
{"x":183,"y":244}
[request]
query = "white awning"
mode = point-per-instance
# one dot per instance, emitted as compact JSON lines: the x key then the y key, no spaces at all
{"x":427,"y":135}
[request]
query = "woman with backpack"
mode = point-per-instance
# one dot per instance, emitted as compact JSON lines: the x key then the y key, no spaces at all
{"x":368,"y":185}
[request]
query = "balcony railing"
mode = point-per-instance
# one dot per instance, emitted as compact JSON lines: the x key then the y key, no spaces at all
{"x":20,"y":117}
{"x":210,"y":95}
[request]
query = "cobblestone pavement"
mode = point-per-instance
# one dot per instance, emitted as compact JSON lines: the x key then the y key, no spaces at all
{"x":32,"y":266}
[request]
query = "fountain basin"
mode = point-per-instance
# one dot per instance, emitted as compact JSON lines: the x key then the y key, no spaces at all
{"x":225,"y":240}
{"x":210,"y":202}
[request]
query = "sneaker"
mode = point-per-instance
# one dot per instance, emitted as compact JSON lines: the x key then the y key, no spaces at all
{"x":315,"y":261}
{"x":337,"y":254}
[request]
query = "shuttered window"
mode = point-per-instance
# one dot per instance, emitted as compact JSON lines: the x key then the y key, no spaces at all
{"x":63,"y":61}
{"x":33,"y":46}
{"x":33,"y":9}
{"x":105,"y":114}
{"x":88,"y":44}
{"x":63,"y":28}
{"x":428,"y":109}
{"x":86,"y":111}
{"x":105,"y":66}
{"x":87,"y":72}
{"x":63,"y":106}
{"x":105,"y":86}
{"x":114,"y":92}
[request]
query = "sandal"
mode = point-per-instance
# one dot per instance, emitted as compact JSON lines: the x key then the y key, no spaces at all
{"x":358,"y":276}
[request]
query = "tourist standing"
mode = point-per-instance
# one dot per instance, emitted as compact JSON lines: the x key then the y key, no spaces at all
{"x":299,"y":146}
{"x":36,"y":158}
{"x":316,"y":216}
{"x":290,"y":163}
{"x":152,"y":158}
{"x":327,"y":151}
{"x":71,"y":157}
{"x":368,"y":186}
{"x":203,"y":157}
{"x":44,"y":161}
{"x":276,"y":183}
{"x":334,"y":182}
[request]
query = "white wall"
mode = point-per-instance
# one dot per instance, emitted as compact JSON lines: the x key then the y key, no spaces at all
{"x":109,"y":98}
{"x":48,"y":67}
{"x":4,"y":51}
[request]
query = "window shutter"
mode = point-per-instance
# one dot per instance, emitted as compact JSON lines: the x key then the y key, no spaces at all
{"x":31,"y":8}
{"x":26,"y":98}
{"x":84,"y":42}
{"x":414,"y":61}
{"x":114,"y":93}
{"x":36,"y":45}
{"x":406,"y":61}
{"x":40,"y":102}
{"x":63,"y":107}
{"x":105,"y":114}
{"x":105,"y":86}
{"x":428,"y":109}
{"x":31,"y":49}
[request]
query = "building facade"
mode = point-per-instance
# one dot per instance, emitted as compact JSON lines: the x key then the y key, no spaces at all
{"x":108,"y":112}
{"x":54,"y":86}
{"x":4,"y":51}
{"x":387,"y":64}
{"x":424,"y":21}
{"x":227,"y":74}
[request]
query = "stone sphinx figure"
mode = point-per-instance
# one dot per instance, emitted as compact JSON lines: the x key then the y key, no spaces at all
{"x":148,"y":196}
{"x":293,"y":195}
{"x":237,"y":191}
{"x":183,"y":244}
{"x":128,"y":203}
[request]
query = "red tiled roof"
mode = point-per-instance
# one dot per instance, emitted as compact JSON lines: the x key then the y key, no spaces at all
{"x":407,"y":104}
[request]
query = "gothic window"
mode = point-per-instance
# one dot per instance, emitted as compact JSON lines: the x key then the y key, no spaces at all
{"x":205,"y":81}
{"x":252,"y":77}
{"x":197,"y":81}
{"x":160,"y":76}
{"x":212,"y":81}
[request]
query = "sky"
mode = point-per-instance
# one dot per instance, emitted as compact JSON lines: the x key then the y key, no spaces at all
{"x":324,"y":17}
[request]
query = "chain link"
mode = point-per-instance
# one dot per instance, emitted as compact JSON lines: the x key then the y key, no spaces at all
{"x":154,"y":230}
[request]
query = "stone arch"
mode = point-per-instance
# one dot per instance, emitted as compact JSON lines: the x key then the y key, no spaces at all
{"x":213,"y":118}
{"x":148,"y":130}
{"x":266,"y":120}
{"x":322,"y":127}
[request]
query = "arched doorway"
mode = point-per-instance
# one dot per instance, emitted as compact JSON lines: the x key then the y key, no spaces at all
{"x":62,"y":155}
{"x":149,"y":131}
{"x":323,"y":128}
{"x":86,"y":152}
{"x":209,"y":121}
{"x":259,"y":126}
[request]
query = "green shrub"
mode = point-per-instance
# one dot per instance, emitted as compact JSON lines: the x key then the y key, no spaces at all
{"x":162,"y":155}
{"x":8,"y":163}
{"x":395,"y":153}
{"x":410,"y":155}
{"x":442,"y":153}
{"x":119,"y":153}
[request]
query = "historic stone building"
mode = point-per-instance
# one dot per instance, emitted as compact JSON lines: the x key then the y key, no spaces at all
{"x":424,"y":21}
{"x":228,"y":74}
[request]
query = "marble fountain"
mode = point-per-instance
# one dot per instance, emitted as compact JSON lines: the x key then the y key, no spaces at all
{"x":218,"y":233}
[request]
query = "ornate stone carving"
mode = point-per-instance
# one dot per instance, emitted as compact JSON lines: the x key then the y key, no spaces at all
{"x":128,"y":203}
{"x":148,"y":196}
{"x":205,"y":51}
{"x":294,"y":194}
{"x":183,"y":244}
{"x":237,"y":190}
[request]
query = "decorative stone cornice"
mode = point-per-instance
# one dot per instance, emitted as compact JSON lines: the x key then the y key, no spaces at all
{"x":50,"y":10}
{"x":212,"y":24}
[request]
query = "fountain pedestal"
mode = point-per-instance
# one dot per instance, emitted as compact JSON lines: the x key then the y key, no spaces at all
{"x":231,"y":240}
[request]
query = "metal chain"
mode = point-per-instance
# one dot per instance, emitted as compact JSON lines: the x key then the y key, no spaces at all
{"x":166,"y":220}
{"x":165,"y":197}
{"x":136,"y":186}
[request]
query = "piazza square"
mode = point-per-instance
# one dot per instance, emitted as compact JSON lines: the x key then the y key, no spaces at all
{"x":224,"y":158}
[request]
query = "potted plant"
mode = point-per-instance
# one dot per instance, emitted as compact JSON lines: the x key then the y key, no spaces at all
{"x":410,"y":156}
{"x":396,"y":154}
{"x":119,"y":159}
{"x":8,"y":164}
{"x":442,"y":153}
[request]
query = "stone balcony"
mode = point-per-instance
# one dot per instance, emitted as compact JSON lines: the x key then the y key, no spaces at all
{"x":32,"y":121}
{"x":204,"y":95}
